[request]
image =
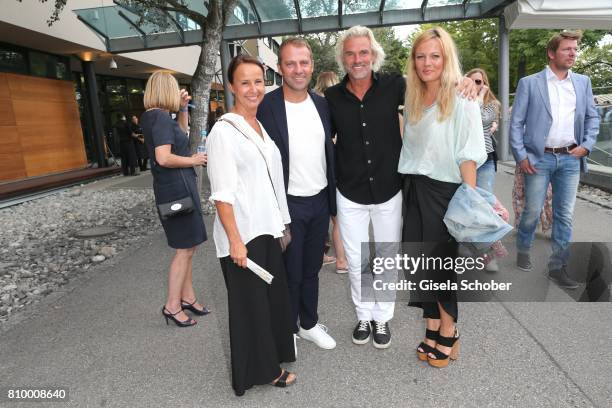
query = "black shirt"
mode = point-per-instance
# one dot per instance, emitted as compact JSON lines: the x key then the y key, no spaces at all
{"x":369,"y":141}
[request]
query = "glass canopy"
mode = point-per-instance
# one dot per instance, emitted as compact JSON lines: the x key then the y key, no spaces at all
{"x":126,"y":28}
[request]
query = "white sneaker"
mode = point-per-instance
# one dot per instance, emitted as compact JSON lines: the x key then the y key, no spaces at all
{"x":318,"y":335}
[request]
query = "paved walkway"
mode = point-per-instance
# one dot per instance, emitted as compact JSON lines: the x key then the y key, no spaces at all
{"x":104,"y":338}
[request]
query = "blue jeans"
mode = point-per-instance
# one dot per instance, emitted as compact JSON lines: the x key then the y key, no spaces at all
{"x":485,"y":176}
{"x":563,"y":172}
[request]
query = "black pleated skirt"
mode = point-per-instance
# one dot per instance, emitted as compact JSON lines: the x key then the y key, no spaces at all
{"x":261,"y":335}
{"x":425,"y":203}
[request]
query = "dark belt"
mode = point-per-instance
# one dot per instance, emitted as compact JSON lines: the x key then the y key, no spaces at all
{"x":561,"y":150}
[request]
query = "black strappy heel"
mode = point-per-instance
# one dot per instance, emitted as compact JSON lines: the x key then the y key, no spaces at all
{"x":426,"y":348}
{"x":190,"y":306}
{"x":179,"y":323}
{"x":282,"y":380}
{"x":440,"y":359}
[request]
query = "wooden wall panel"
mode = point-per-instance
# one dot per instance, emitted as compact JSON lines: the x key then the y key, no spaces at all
{"x":4,"y":88}
{"x":7,"y":116}
{"x":40,"y":112}
{"x":11,"y":159}
{"x":35,"y":88}
{"x":46,"y":134}
{"x":51,"y":148}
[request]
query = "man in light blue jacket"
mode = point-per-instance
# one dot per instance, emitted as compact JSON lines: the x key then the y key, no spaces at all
{"x":553,"y":128}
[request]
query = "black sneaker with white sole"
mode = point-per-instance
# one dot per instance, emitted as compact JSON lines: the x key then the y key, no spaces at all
{"x":382,"y":335}
{"x":523,"y":261}
{"x":362,"y":332}
{"x":562,"y":279}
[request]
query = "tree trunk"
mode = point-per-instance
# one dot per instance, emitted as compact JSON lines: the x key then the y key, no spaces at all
{"x":218,"y":13}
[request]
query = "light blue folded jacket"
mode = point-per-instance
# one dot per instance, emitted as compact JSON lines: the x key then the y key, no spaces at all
{"x":470,"y":216}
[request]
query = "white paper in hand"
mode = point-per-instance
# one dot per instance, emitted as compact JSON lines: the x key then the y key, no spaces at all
{"x":259,"y":271}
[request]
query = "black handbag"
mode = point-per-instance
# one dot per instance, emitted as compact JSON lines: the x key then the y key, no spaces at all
{"x":180,"y":206}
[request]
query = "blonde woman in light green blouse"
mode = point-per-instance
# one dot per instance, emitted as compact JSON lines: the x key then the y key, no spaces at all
{"x":443,"y":145}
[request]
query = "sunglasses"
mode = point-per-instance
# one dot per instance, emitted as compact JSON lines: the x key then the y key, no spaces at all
{"x":478,"y":81}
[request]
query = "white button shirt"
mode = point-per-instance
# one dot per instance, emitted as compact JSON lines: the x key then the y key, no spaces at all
{"x":239,"y":176}
{"x":563,"y":107}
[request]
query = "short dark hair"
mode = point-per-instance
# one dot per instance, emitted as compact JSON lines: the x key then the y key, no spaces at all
{"x":239,"y":60}
{"x":296,"y":42}
{"x":555,"y":40}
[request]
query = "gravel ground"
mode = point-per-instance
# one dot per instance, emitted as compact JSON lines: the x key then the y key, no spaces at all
{"x":40,"y":252}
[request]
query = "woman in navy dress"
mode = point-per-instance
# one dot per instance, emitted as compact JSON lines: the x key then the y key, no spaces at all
{"x":174,"y":178}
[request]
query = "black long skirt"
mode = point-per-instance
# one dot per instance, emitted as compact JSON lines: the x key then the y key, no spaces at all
{"x":425,"y":203}
{"x":261,"y":335}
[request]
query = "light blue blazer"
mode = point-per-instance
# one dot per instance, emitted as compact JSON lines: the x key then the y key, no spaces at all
{"x":531,"y":117}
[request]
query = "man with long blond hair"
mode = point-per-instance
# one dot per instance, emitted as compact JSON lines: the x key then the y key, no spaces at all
{"x":553,"y":128}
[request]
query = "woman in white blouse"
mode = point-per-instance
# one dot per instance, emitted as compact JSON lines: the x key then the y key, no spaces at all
{"x":246,"y":178}
{"x":443,"y":145}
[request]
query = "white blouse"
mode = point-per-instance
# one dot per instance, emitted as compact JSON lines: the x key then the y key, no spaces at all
{"x":436,"y":149}
{"x":239,"y":176}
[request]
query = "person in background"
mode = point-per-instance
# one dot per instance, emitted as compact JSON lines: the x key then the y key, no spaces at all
{"x":247,"y":187}
{"x":554,"y":126}
{"x":443,"y":145}
{"x":173,"y":178}
{"x":324,"y":81}
{"x":489,"y":111}
{"x":126,"y":146}
{"x":141,"y":150}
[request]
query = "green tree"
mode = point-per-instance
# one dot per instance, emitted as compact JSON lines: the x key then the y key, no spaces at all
{"x":596,"y":62}
{"x":395,"y":50}
{"x":477,"y":43}
{"x":323,"y":53}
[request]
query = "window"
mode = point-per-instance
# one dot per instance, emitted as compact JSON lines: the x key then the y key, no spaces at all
{"x":269,"y":77}
{"x":266,"y":41}
{"x":48,"y":65}
{"x":279,"y":79}
{"x":13,"y":60}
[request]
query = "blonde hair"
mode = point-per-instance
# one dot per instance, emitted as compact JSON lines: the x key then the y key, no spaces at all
{"x":489,"y":96}
{"x":162,"y":91}
{"x":325,"y":80}
{"x":451,"y":75}
{"x":360,"y":31}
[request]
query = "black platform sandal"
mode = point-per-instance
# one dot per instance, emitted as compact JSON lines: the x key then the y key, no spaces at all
{"x":190,"y":306}
{"x":179,"y":323}
{"x":423,"y":349}
{"x":282,"y":380}
{"x":438,"y":359}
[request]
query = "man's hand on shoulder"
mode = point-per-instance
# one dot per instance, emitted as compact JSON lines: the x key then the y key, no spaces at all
{"x":467,"y":88}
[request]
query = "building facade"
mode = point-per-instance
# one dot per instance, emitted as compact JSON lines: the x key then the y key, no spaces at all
{"x":58,"y":85}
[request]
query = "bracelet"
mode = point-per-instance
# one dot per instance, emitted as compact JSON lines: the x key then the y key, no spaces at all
{"x":185,"y":109}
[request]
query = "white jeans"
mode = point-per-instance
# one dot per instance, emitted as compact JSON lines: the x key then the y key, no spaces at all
{"x":354,"y":220}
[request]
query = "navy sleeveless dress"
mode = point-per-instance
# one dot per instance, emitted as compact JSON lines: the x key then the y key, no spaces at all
{"x":182,"y":231}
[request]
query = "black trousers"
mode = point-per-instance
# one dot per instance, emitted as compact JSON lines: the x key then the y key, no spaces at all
{"x":304,"y":256}
{"x":260,"y":325}
{"x":128,"y":157}
{"x":425,"y":203}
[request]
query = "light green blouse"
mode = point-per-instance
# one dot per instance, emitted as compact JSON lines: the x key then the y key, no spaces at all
{"x":436,"y":149}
